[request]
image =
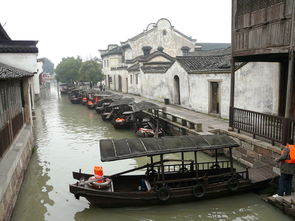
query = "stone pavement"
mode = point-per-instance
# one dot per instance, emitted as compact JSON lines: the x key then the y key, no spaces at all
{"x":208,"y":122}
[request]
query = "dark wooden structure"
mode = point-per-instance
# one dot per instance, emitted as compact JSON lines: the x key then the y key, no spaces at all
{"x":14,"y":104}
{"x":263,"y":31}
{"x":165,"y":182}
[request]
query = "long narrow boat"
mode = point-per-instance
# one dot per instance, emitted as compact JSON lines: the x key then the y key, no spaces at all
{"x":168,"y":181}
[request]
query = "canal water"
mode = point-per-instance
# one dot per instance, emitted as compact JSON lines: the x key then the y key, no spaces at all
{"x":67,"y":139}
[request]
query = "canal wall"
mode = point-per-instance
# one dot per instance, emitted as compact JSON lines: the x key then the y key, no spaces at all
{"x":12,"y":170}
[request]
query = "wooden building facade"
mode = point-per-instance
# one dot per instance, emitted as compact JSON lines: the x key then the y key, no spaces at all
{"x":14,"y":104}
{"x":263,"y":31}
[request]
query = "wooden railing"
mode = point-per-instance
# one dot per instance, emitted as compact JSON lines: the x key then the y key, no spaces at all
{"x":275,"y":128}
{"x":180,"y":120}
{"x":10,"y":131}
{"x":200,"y":166}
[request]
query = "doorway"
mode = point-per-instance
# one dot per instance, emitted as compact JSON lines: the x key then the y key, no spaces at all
{"x":176,"y":90}
{"x":214,"y":97}
{"x":120,"y":83}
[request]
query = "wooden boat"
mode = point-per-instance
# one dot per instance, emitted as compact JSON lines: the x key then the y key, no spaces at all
{"x":75,"y":96}
{"x":123,"y":120}
{"x":147,"y":125}
{"x":116,"y":108}
{"x":106,"y":101}
{"x":168,"y":181}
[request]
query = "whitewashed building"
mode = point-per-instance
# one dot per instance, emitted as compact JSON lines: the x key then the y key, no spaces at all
{"x":157,"y":40}
{"x":161,"y":63}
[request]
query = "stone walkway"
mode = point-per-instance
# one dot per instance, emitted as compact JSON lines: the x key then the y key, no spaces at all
{"x":208,"y":122}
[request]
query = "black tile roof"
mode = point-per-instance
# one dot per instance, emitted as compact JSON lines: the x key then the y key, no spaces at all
{"x":146,"y":58}
{"x":218,"y":51}
{"x":18,"y":47}
{"x":117,"y":50}
{"x":197,"y":64}
{"x":134,"y":67}
{"x":3,"y":34}
{"x":8,"y":72}
{"x":157,"y":67}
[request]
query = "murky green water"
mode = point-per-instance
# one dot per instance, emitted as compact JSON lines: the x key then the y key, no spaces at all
{"x":67,"y":140}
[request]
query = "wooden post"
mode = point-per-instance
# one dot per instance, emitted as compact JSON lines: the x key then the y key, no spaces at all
{"x":164,"y":114}
{"x":162,"y":168}
{"x":290,"y":83}
{"x":232,"y":82}
{"x":216,"y":158}
{"x":196,"y":163}
{"x":232,"y":94}
{"x":182,"y":158}
{"x":231,"y":161}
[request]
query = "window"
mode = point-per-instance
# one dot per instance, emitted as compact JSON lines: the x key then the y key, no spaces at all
{"x":136,"y":78}
{"x":146,"y":50}
{"x":185,"y":50}
{"x":131,"y":79}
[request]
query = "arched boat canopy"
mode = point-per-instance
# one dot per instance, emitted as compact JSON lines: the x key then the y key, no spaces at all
{"x":119,"y":149}
{"x":144,"y":105}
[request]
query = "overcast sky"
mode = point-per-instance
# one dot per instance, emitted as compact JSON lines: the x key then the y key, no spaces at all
{"x":81,"y":27}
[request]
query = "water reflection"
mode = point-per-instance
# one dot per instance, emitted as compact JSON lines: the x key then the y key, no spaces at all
{"x":67,"y":137}
{"x":246,"y":207}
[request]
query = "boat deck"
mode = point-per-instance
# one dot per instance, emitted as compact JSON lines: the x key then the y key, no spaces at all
{"x":262,"y":173}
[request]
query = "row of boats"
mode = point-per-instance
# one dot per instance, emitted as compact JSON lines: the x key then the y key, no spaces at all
{"x":162,"y":180}
{"x":122,"y":112}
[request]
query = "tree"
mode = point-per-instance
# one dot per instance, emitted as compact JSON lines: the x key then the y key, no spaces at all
{"x":68,"y":69}
{"x":90,"y":71}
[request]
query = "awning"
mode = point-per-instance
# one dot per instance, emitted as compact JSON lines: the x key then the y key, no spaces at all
{"x":118,"y":149}
{"x":144,"y":105}
{"x":123,"y":101}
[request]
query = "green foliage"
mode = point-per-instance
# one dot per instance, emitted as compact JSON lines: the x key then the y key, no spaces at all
{"x":68,"y":69}
{"x":90,"y":71}
{"x":71,"y":68}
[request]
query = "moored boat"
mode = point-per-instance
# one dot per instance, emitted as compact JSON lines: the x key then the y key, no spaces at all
{"x":168,"y":180}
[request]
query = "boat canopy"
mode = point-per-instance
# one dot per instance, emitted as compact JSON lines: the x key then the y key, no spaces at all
{"x":123,"y":101}
{"x":144,"y":105}
{"x":118,"y":149}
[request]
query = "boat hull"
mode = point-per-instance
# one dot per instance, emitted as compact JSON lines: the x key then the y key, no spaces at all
{"x":107,"y":199}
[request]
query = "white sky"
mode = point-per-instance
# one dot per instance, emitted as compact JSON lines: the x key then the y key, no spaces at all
{"x":81,"y":27}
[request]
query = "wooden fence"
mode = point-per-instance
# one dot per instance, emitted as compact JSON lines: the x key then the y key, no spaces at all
{"x":275,"y":128}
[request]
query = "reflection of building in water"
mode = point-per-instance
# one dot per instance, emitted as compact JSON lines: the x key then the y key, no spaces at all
{"x":35,"y":189}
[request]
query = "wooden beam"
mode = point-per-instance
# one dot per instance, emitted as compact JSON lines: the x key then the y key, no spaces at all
{"x":290,"y":83}
{"x":232,"y":93}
